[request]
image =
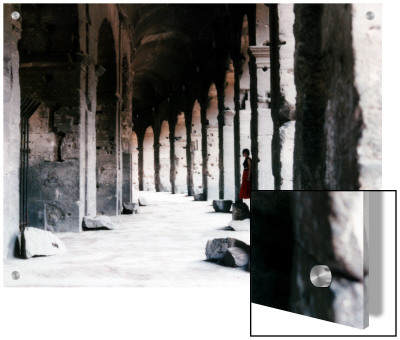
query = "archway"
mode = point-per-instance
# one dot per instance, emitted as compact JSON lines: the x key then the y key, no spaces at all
{"x":106,"y":124}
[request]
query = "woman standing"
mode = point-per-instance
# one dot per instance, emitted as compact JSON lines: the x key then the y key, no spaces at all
{"x":245,"y":189}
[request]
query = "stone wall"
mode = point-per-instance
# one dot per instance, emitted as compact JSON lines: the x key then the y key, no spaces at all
{"x":338,"y":134}
{"x":50,"y":73}
{"x":11,"y":129}
{"x":58,"y":52}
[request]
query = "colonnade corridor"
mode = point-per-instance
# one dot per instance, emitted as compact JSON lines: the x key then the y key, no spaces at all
{"x":104,"y":103}
{"x":163,"y":245}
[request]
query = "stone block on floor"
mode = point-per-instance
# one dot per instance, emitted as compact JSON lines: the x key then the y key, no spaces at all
{"x":222,"y":205}
{"x":129,"y":208}
{"x":200,"y":197}
{"x":142,"y":201}
{"x":97,"y":223}
{"x":38,"y":242}
{"x":240,"y":211}
{"x":217,"y":248}
{"x":236,"y":257}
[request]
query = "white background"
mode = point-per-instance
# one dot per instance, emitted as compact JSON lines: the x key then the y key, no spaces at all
{"x":138,"y":313}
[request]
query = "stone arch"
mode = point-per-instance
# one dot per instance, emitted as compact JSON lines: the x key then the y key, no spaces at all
{"x":106,"y":124}
{"x":148,"y":160}
{"x":165,"y":163}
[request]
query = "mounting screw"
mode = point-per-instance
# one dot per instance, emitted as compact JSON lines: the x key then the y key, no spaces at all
{"x":370,"y":15}
{"x":321,"y":276}
{"x":15,"y":275}
{"x":15,"y":15}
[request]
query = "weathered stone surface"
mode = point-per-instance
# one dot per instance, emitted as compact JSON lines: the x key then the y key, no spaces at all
{"x":199,"y":197}
{"x":312,"y":227}
{"x":367,"y":44}
{"x":338,"y":110}
{"x":129,"y":208}
{"x":287,"y":133}
{"x":351,"y":314}
{"x":142,"y":201}
{"x":222,"y":205}
{"x":240,"y":211}
{"x":240,"y":225}
{"x":37,"y":242}
{"x":53,"y":195}
{"x":216,"y":248}
{"x":346,"y":223}
{"x":97,"y":222}
{"x":236,"y":257}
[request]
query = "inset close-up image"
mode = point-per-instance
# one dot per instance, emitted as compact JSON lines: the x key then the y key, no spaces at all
{"x":312,"y":253}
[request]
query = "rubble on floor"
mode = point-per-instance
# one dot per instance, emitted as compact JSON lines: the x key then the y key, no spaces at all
{"x":236,"y":257}
{"x":97,"y":222}
{"x":222,"y":205}
{"x":200,"y":197}
{"x":142,"y":201}
{"x":38,"y":242}
{"x":129,"y":208}
{"x":240,"y":211}
{"x":228,"y":251}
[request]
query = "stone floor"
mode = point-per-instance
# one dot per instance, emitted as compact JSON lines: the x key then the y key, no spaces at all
{"x":163,"y":245}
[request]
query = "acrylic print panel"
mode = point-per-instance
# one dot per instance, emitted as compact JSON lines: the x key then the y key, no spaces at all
{"x":294,"y":231}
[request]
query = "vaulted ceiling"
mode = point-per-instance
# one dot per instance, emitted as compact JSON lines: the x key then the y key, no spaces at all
{"x":180,"y":49}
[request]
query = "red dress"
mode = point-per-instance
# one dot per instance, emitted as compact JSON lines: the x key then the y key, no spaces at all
{"x":245,"y":189}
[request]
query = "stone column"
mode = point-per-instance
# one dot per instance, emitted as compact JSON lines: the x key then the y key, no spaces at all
{"x":157,"y":182}
{"x":126,"y":141}
{"x":171,"y":124}
{"x":221,"y":118}
{"x":203,"y":113}
{"x":229,"y":156}
{"x":140,"y":138}
{"x":107,"y":155}
{"x":236,"y":127}
{"x":283,"y":91}
{"x":189,"y":161}
{"x":262,"y":125}
{"x":287,"y":133}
